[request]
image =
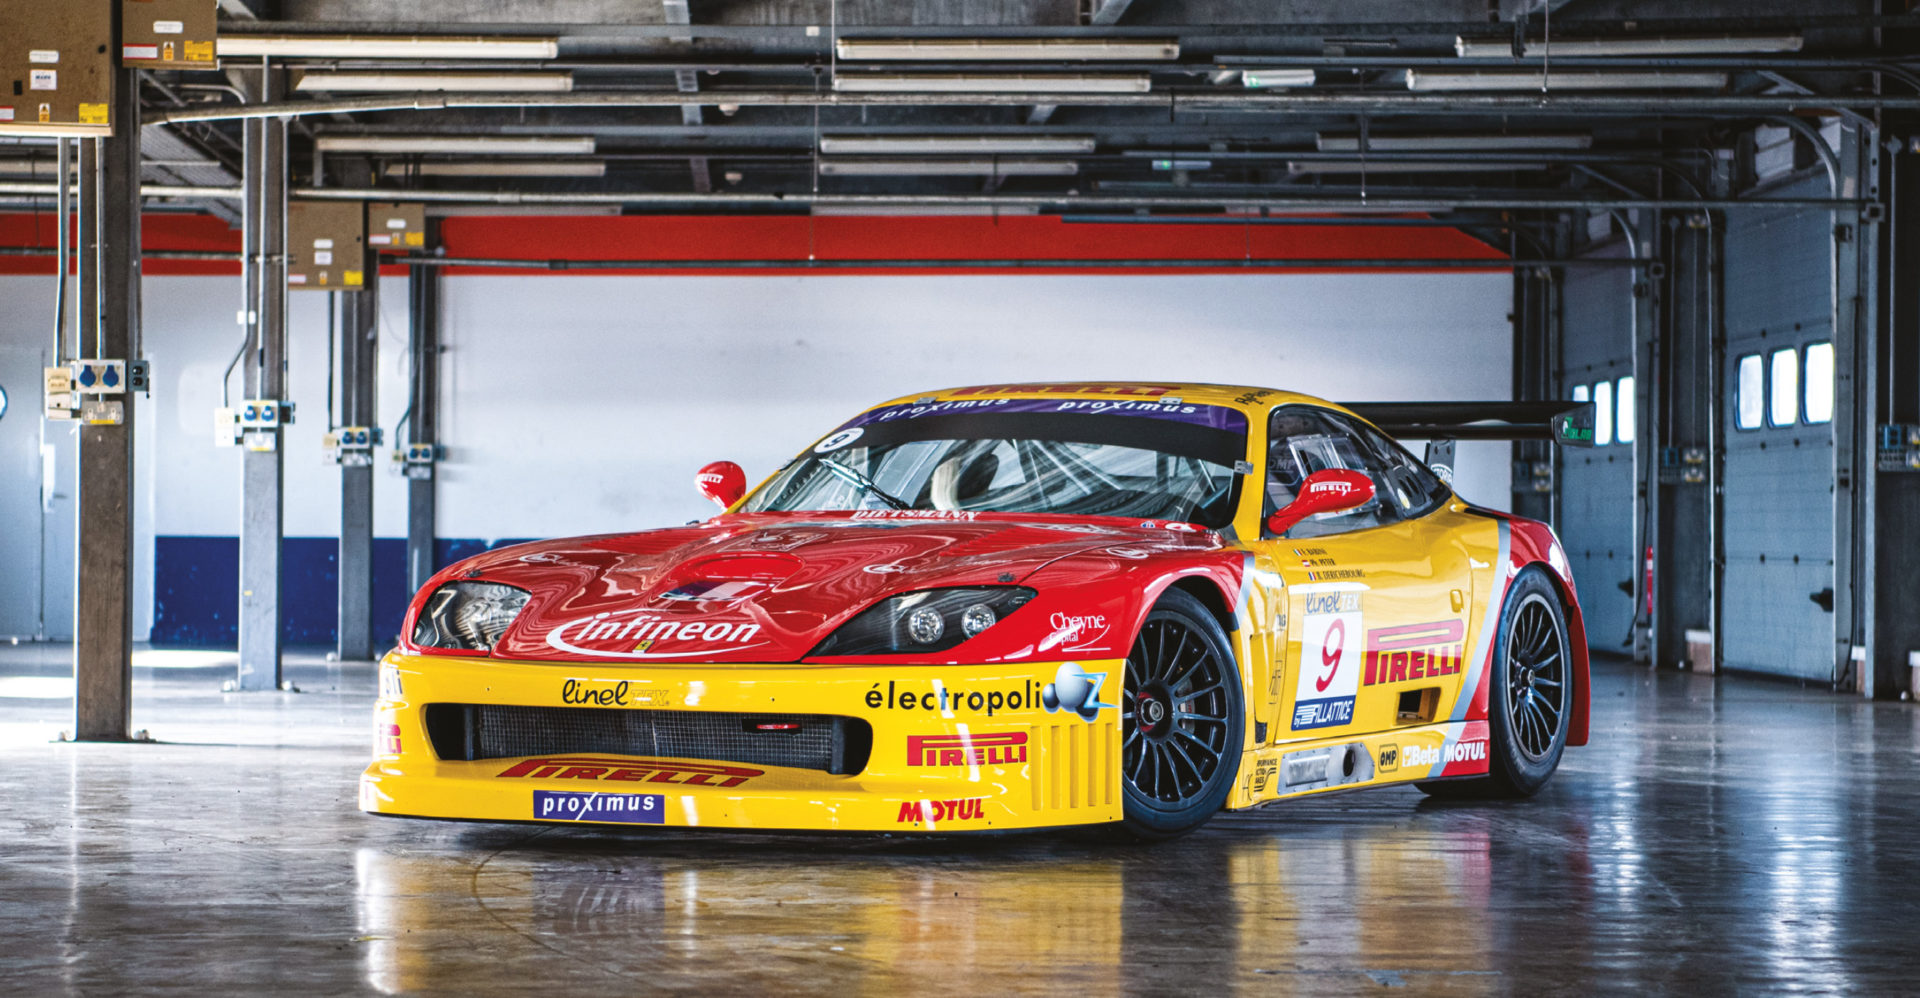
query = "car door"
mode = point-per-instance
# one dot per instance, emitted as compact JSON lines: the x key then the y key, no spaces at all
{"x":1377,"y":595}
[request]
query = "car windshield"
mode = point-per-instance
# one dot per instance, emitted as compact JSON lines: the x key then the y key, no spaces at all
{"x":1148,"y":459}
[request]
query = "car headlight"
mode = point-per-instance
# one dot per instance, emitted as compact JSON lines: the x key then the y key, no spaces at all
{"x":926,"y":621}
{"x":468,"y":615}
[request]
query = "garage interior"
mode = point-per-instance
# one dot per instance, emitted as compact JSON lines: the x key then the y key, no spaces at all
{"x":353,"y":290}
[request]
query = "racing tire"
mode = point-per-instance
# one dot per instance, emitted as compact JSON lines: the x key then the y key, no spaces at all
{"x":1182,"y":721}
{"x":1530,"y":695}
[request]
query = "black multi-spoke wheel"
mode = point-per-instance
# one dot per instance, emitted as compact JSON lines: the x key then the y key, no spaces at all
{"x":1531,"y":690}
{"x":1537,"y":677}
{"x":1181,"y":721}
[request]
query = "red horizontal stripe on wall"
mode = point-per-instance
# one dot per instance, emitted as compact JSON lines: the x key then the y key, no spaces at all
{"x":799,"y":238}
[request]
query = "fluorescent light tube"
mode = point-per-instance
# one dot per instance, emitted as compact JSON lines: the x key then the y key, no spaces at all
{"x":384,"y":47}
{"x":1016,"y":49}
{"x":1502,"y":48}
{"x":1260,"y":79}
{"x":1404,"y":166}
{"x":495,"y":168}
{"x":1431,"y":143}
{"x":953,"y":145}
{"x":991,"y":167}
{"x":379,"y":82}
{"x":1558,"y":79}
{"x":1001,"y":83}
{"x":479,"y":144}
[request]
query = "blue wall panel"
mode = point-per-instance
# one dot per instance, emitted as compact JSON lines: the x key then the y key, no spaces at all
{"x":196,"y":587}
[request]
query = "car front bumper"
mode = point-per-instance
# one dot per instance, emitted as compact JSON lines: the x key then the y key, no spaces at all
{"x":954,"y":748}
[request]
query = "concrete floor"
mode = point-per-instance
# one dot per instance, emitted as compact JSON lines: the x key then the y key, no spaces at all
{"x":1738,"y":837}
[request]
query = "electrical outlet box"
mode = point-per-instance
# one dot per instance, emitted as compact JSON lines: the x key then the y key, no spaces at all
{"x":352,"y":446}
{"x":56,"y":73}
{"x":103,"y":412}
{"x":168,"y":34}
{"x":264,"y":414}
{"x":1899,"y":447}
{"x":327,"y":245}
{"x":396,"y":226}
{"x":416,"y":460}
{"x":99,"y":377}
{"x":226,"y":427}
{"x":62,"y":402}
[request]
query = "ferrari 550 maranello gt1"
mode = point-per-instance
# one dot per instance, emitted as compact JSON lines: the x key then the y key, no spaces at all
{"x":1008,"y":607}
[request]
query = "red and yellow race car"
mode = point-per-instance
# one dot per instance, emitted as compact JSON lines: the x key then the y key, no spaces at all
{"x":1004,"y":607}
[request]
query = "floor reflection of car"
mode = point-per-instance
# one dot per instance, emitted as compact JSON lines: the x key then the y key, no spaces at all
{"x":1005,"y":607}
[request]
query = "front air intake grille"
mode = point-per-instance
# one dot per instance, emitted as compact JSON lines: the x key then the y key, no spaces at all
{"x":836,"y":745}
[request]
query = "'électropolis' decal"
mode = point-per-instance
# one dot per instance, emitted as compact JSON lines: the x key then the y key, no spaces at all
{"x":637,"y":634}
{"x":1216,"y":416}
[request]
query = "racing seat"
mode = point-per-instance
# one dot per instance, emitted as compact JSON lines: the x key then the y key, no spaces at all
{"x":959,"y":480}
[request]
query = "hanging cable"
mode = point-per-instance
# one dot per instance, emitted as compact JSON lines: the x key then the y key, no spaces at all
{"x":60,"y":223}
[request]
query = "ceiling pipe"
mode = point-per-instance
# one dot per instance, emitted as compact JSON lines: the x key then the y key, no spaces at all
{"x":1234,"y":263}
{"x":1291,"y":103}
{"x":907,"y":202}
{"x":1229,"y":263}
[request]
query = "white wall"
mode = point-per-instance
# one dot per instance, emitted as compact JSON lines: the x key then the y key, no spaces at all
{"x":620,"y":387}
{"x":576,"y":404}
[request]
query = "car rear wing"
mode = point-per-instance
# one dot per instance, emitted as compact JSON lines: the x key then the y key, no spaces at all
{"x":1566,"y":423}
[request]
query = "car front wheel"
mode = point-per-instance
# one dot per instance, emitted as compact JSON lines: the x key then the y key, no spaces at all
{"x":1182,"y":721}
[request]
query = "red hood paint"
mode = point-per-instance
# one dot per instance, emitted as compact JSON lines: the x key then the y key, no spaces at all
{"x":769,"y":587}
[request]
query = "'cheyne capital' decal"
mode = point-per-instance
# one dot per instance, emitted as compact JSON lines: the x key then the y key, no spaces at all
{"x":636,"y":634}
{"x":1075,"y":631}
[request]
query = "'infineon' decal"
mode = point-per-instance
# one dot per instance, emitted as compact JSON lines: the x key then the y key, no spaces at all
{"x":640,"y":635}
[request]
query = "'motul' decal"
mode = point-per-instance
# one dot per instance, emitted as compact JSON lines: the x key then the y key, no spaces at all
{"x":640,"y":635}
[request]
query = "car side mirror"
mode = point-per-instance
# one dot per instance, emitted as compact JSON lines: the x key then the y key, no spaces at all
{"x":1327,"y":491}
{"x":723,"y":482}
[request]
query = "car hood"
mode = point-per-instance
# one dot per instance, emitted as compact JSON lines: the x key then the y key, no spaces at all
{"x":769,"y":587}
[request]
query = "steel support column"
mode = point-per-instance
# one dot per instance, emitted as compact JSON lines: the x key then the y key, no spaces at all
{"x":423,"y":426}
{"x":1892,"y":391}
{"x":1648,"y":285}
{"x":1681,"y":408}
{"x":1533,"y":379}
{"x":359,"y":351}
{"x":262,"y":476}
{"x":1852,"y":257}
{"x":109,"y":328}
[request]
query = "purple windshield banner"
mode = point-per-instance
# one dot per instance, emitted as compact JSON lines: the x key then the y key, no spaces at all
{"x":1213,"y":416}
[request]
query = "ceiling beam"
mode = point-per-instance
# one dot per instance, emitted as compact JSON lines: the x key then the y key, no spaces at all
{"x":1705,"y":104}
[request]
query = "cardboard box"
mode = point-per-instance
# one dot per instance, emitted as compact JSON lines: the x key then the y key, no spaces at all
{"x":168,"y":34}
{"x":326,"y":245}
{"x":395,"y":227}
{"x":56,"y":74}
{"x":1700,"y":651}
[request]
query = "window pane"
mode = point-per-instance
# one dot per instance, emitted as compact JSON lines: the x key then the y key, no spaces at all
{"x":1623,"y":426}
{"x":1579,"y":393}
{"x":1785,"y":377}
{"x":1603,"y":414}
{"x":1750,"y":394}
{"x":1820,"y":383}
